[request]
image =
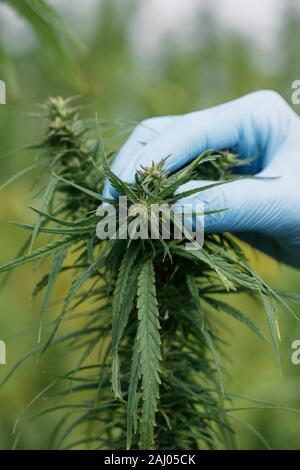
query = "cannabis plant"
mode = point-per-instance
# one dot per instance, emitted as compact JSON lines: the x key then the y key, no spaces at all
{"x":147,"y":371}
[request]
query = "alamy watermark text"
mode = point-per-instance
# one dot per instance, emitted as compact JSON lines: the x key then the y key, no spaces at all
{"x":152,"y":221}
{"x":2,"y":353}
{"x":2,"y":92}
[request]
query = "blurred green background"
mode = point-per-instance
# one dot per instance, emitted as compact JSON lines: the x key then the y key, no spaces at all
{"x":133,"y":66}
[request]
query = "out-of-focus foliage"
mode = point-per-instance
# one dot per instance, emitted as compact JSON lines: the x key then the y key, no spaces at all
{"x":217,"y":66}
{"x":53,"y":32}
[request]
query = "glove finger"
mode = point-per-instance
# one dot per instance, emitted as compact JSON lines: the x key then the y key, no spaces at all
{"x":253,"y":125}
{"x":144,"y":133}
{"x":251,"y":205}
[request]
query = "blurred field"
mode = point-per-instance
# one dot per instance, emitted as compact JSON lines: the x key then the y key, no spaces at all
{"x":217,"y":66}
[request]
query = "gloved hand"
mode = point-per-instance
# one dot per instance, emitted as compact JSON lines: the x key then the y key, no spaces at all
{"x":264,"y":212}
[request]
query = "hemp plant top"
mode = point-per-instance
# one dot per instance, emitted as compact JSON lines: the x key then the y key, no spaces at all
{"x":147,"y":344}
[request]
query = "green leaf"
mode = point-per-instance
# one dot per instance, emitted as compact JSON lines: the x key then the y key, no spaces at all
{"x":133,"y":396}
{"x":252,"y":429}
{"x":58,"y":261}
{"x":273,"y":325}
{"x":18,"y":175}
{"x":42,"y":283}
{"x":77,"y":284}
{"x":193,"y":191}
{"x":87,"y":191}
{"x":122,"y":304}
{"x":53,"y":32}
{"x":194,"y":291}
{"x":47,"y":197}
{"x":206,"y":258}
{"x":64,"y":222}
{"x":122,"y":187}
{"x":238,"y":315}
{"x":293,"y":296}
{"x":148,"y":345}
{"x":210,"y":344}
{"x":42,"y":252}
{"x":183,"y":176}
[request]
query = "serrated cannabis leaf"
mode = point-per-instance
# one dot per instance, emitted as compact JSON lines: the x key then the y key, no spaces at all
{"x":148,"y":346}
{"x":122,"y":304}
{"x":56,"y":268}
{"x":47,"y":196}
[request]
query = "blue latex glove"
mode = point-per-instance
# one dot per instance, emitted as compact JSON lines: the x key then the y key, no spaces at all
{"x":266,"y":212}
